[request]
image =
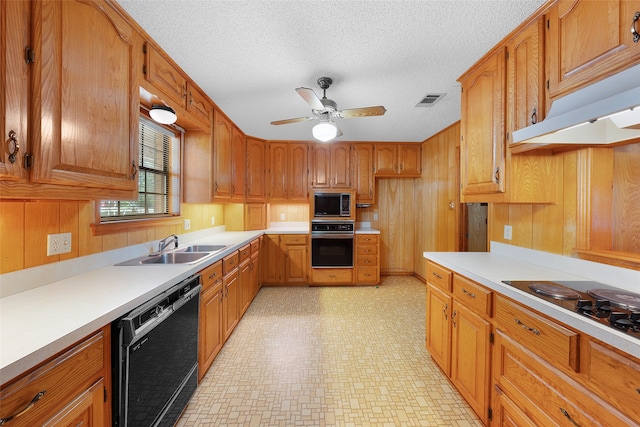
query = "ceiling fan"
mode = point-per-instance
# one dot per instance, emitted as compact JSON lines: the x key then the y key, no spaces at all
{"x":326,"y":110}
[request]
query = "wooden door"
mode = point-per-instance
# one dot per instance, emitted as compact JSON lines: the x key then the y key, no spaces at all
{"x":14,"y":89}
{"x":363,"y":179}
{"x":506,"y":413}
{"x":85,"y":91}
{"x":482,"y":130}
{"x":298,"y":172}
{"x":255,"y":176}
{"x":272,"y":256}
{"x":410,"y":160}
{"x":320,"y":166}
{"x":165,"y":76}
{"x":340,"y":165}
{"x":246,"y":287}
{"x":589,"y":40}
{"x":210,"y":330}
{"x":295,"y":263}
{"x":470,"y":362}
{"x":230,"y":302}
{"x":198,"y":106}
{"x":238,"y":159}
{"x":386,"y":159}
{"x":222,"y":152}
{"x":278,"y":163}
{"x":86,"y":409}
{"x":439,"y":311}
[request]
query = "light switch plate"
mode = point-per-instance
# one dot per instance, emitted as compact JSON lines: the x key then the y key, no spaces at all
{"x":58,"y":243}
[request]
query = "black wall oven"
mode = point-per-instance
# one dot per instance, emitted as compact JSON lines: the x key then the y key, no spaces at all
{"x":332,"y":244}
{"x":155,"y":358}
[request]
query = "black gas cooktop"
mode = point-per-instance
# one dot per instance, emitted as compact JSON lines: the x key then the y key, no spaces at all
{"x":598,"y":302}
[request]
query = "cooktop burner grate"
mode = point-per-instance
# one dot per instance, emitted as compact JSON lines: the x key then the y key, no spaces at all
{"x":618,"y":298}
{"x":554,"y":291}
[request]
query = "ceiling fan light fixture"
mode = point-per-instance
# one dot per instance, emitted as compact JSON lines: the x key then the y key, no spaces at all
{"x":163,"y":114}
{"x":325,"y":131}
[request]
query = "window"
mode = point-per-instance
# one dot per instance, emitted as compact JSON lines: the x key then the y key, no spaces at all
{"x":158,"y":177}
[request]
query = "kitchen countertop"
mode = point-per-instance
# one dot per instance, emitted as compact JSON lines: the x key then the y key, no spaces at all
{"x":507,"y":262}
{"x":39,"y":322}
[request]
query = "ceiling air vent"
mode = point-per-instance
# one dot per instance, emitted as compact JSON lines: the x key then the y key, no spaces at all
{"x":430,"y":99}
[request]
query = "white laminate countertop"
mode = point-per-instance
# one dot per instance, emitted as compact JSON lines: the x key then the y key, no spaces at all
{"x":39,"y":322}
{"x":506,"y":262}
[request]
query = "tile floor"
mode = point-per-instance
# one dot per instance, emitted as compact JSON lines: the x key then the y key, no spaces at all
{"x":329,"y":356}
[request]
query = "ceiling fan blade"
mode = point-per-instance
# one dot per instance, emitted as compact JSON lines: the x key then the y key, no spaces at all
{"x":310,"y":96}
{"x":362,"y":112}
{"x":297,"y":119}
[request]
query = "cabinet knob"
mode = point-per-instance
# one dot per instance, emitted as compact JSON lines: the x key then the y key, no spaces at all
{"x":636,"y":35}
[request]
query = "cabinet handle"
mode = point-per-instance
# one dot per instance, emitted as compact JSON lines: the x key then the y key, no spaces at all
{"x":532,"y":330}
{"x":566,"y":414}
{"x":190,"y":98}
{"x":636,"y":35}
{"x":184,"y":91}
{"x":14,"y":147}
{"x":468,"y":293}
{"x":437,"y":276}
{"x":534,"y":117}
{"x":446,"y":307}
{"x":496,"y":175}
{"x":26,"y":408}
{"x":134,"y":170}
{"x":453,"y":317}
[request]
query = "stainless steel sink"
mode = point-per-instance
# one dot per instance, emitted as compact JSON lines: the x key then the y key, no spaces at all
{"x":204,"y":248}
{"x":175,"y":258}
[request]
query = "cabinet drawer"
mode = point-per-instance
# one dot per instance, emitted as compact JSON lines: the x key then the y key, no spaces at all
{"x":367,"y":275}
{"x":439,"y":276}
{"x":211,"y":274}
{"x":363,"y":239}
{"x":331,"y":275}
{"x":555,"y":343}
{"x":255,"y":246}
{"x":229,"y":262}
{"x":367,"y":249}
{"x":367,"y":260}
{"x":60,"y":380}
{"x":473,"y":295}
{"x":292,"y":239}
{"x":245,"y":252}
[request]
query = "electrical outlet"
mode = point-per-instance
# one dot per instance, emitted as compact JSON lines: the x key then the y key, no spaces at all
{"x":281,"y":217}
{"x":213,"y":220}
{"x":507,"y":232}
{"x":58,"y":244}
{"x":187,"y":224}
{"x":375,"y":216}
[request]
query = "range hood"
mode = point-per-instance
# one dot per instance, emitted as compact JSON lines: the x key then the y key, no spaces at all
{"x":604,"y":112}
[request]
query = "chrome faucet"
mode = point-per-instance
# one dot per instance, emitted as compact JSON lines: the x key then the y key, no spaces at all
{"x":166,"y":242}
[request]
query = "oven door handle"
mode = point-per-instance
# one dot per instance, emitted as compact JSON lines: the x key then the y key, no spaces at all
{"x":332,"y":236}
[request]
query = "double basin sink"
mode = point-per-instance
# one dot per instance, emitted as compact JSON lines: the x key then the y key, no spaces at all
{"x":188,"y":255}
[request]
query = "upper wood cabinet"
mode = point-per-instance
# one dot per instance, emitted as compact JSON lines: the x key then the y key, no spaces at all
{"x":589,"y":40}
{"x":331,"y":165}
{"x":85,"y":109}
{"x":398,"y":160}
{"x":288,"y":171}
{"x":14,"y":90}
{"x":176,"y":89}
{"x":222,"y":154}
{"x":256,"y":175}
{"x":363,"y":179}
{"x":482,"y":128}
{"x":238,"y":165}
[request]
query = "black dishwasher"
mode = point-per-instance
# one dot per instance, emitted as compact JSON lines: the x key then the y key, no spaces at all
{"x":155,"y":358}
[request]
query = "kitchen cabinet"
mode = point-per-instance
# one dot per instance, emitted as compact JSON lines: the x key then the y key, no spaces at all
{"x":222,"y":154}
{"x":331,"y":165}
{"x":397,"y":160}
{"x":14,"y":90}
{"x":482,"y":131}
{"x":363,"y":170}
{"x":286,"y":259}
{"x":288,"y":172}
{"x":71,"y":387}
{"x":589,"y":40}
{"x":83,"y":121}
{"x":231,"y":299}
{"x":255,"y":216}
{"x":244,"y":271}
{"x":238,"y":168}
{"x":367,"y":259}
{"x":210,"y":332}
{"x":256,"y":171}
{"x":438,"y":341}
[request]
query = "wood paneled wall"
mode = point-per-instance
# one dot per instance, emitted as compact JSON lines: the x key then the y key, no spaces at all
{"x":24,"y":227}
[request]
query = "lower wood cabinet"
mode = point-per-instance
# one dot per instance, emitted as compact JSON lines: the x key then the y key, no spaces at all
{"x":69,"y":389}
{"x":285,"y":259}
{"x":332,"y":276}
{"x":210,"y":338}
{"x":367,"y":259}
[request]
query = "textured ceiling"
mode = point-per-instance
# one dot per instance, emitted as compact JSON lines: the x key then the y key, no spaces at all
{"x":249,"y":56}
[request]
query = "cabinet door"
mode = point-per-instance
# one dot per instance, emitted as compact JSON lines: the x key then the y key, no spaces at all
{"x":386,"y":159}
{"x":162,"y":74}
{"x":439,"y":327}
{"x":85,"y":118}
{"x":198,"y":106}
{"x":410,"y":160}
{"x":589,"y":40}
{"x":222,"y":131}
{"x":238,"y":156}
{"x":470,"y":362}
{"x":255,"y":177}
{"x":272,"y":256}
{"x":87,"y":409}
{"x":210,"y":327}
{"x":14,"y":89}
{"x":230,"y":302}
{"x":278,"y":162}
{"x":246,"y":288}
{"x":320,"y":166}
{"x":482,"y":128}
{"x":298,"y":172}
{"x":506,"y":413}
{"x":363,"y":179}
{"x":295,"y":263}
{"x":340,"y":165}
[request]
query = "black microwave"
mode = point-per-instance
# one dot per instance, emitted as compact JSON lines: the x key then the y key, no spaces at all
{"x":327,"y":205}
